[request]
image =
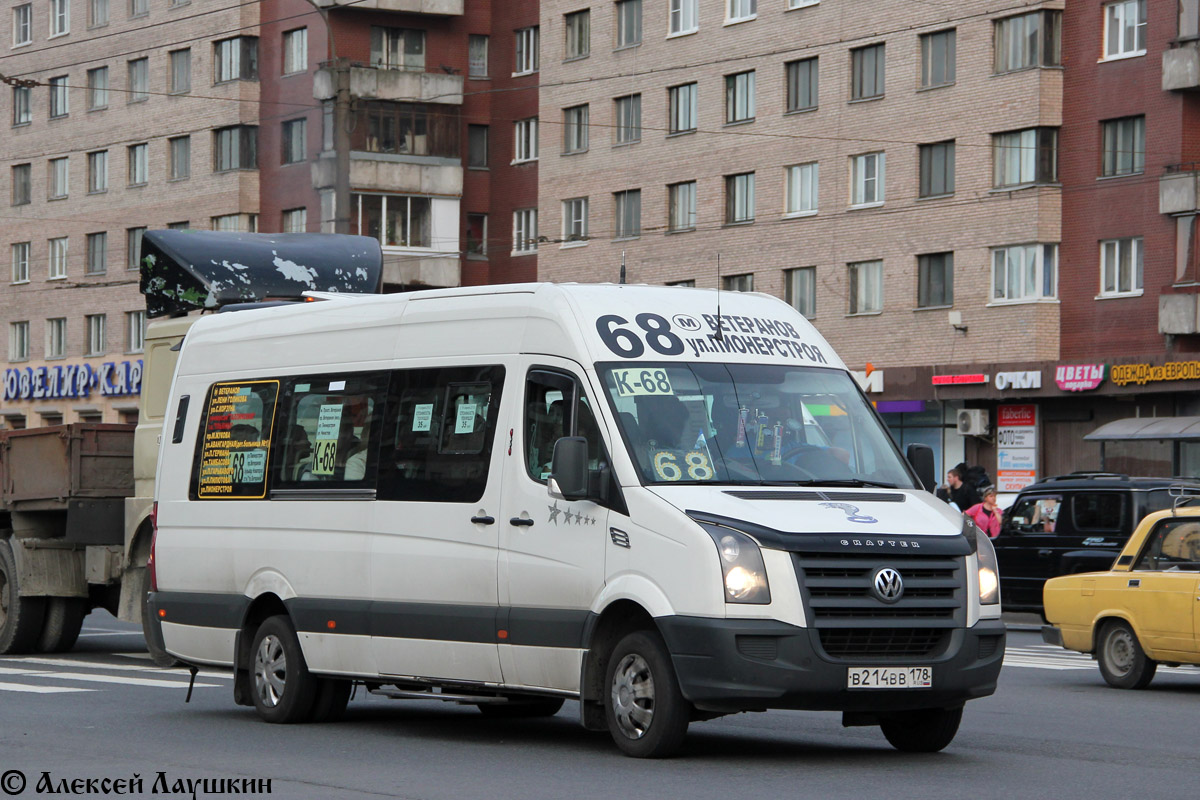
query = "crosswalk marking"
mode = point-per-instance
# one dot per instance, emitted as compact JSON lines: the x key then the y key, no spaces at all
{"x":33,"y":670}
{"x":108,"y":665}
{"x":1048,"y":656}
{"x":122,"y":679}
{"x":20,"y":687}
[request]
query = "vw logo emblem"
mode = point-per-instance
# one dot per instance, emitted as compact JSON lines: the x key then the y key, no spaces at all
{"x":888,"y":585}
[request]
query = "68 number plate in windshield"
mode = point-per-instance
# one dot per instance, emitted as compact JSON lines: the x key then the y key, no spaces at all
{"x":889,"y":678}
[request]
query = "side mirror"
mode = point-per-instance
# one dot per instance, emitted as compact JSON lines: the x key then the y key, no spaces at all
{"x":569,"y":469}
{"x":921,"y":458}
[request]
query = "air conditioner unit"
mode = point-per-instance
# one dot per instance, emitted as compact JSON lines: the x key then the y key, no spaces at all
{"x":973,"y":421}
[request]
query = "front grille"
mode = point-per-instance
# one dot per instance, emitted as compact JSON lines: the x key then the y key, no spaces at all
{"x":877,"y":642}
{"x":764,"y":647}
{"x":988,"y":646}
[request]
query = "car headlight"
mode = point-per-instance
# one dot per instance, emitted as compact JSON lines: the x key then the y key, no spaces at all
{"x":743,"y":571}
{"x":985,"y":559}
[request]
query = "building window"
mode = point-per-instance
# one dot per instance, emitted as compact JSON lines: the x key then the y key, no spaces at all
{"x":575,"y":219}
{"x":1028,"y":40}
{"x":801,"y":195}
{"x":22,"y":24}
{"x":937,"y":169}
{"x":59,"y":183}
{"x":138,"y":164}
{"x":139,"y":8}
{"x":866,"y":287}
{"x":935,"y":280}
{"x":800,"y":290}
{"x":525,"y":231}
{"x":477,"y":56}
{"x":97,"y":253}
{"x":1121,"y":267}
{"x":937,"y":58}
{"x":384,"y":126}
{"x":681,"y":202}
{"x":575,"y":129}
{"x":294,"y":142}
{"x":629,"y":118}
{"x":179,"y":152}
{"x":740,"y":10}
{"x":527,"y":50}
{"x":526,"y":138}
{"x":738,"y":283}
{"x":135,"y":331}
{"x":58,"y":258}
{"x":629,"y":23}
{"x":739,"y":198}
{"x":1125,"y":29}
{"x":20,"y":262}
{"x":59,"y":97}
{"x":866,"y":72}
{"x":477,"y":146}
{"x":96,"y":344}
{"x":179,"y":226}
{"x":628,"y":211}
{"x":18,"y":341}
{"x":22,"y":184}
{"x":684,"y":17}
{"x":56,"y":337}
{"x":690,"y":283}
{"x":295,"y":51}
{"x":477,"y":235}
{"x":867,"y":179}
{"x":97,"y":88}
{"x":1124,"y":146}
{"x":295,"y":220}
{"x":682,"y":101}
{"x":801,"y":79}
{"x":395,"y":220}
{"x":97,"y":172}
{"x":60,"y":17}
{"x":99,"y":13}
{"x":739,"y":97}
{"x":139,"y":80}
{"x":235,"y":59}
{"x":398,"y":48}
{"x":133,"y":247}
{"x":1025,"y":157}
{"x":235,"y":148}
{"x":1024,"y":272}
{"x":22,"y":105}
{"x":578,"y":34}
{"x":181,"y":71}
{"x":236,"y":223}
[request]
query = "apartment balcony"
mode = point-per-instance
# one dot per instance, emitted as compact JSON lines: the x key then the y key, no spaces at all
{"x":1179,"y":314}
{"x":443,"y":8}
{"x":1179,"y":189}
{"x":378,"y":172}
{"x":381,"y":83}
{"x":1181,"y":67}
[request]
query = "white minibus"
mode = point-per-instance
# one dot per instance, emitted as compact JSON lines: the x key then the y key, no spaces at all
{"x":666,"y":504}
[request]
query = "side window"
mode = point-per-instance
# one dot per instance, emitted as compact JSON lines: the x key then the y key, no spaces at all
{"x":1173,"y":547}
{"x":1098,"y":511}
{"x":329,"y":431}
{"x":555,"y":407}
{"x":235,"y":441}
{"x":1035,"y":515}
{"x":439,"y":428}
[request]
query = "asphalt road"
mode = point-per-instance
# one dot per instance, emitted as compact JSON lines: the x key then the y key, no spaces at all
{"x":1053,"y":730}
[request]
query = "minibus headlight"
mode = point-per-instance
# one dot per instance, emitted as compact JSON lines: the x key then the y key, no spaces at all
{"x":744,"y":573}
{"x":985,"y":559}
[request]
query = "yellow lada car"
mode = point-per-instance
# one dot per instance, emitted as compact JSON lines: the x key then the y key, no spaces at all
{"x":1144,"y":611}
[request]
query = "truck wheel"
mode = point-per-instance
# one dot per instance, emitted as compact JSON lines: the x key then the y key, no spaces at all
{"x":1122,"y":661}
{"x":20,"y":617}
{"x":62,"y":623}
{"x":284,"y":690}
{"x":521,"y":709}
{"x":332,"y":697}
{"x":926,"y":730}
{"x":647,"y":715}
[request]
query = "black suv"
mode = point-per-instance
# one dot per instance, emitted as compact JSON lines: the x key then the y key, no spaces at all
{"x":1072,"y":523}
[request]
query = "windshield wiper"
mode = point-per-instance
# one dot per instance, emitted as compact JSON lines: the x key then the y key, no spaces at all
{"x":844,"y":482}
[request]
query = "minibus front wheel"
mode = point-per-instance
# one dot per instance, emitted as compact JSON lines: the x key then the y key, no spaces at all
{"x":647,"y":714}
{"x":282,"y":687}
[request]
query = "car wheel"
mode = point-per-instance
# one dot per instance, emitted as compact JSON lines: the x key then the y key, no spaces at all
{"x":926,"y":730}
{"x":20,"y":617}
{"x":647,"y":714}
{"x":283,"y":689}
{"x":1122,"y":661}
{"x":522,"y":709}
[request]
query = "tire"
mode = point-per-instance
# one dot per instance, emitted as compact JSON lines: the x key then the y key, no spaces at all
{"x":926,"y":730}
{"x":647,"y":714}
{"x":1122,"y":661}
{"x":61,"y":624}
{"x":281,"y":686}
{"x":20,"y":617}
{"x":522,"y":709}
{"x":333,"y":696}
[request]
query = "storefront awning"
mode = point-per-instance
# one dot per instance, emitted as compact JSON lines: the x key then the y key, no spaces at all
{"x":1143,"y":428}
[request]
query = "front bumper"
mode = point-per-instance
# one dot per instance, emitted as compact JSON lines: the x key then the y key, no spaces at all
{"x":727,"y":665}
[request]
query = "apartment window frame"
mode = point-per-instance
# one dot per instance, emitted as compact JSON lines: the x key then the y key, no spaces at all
{"x":478,"y":146}
{"x":135,"y":331}
{"x":682,"y":108}
{"x":868,"y":179}
{"x":865,"y":282}
{"x":20,"y":261}
{"x":800,"y":290}
{"x":627,"y":112}
{"x":97,"y":167}
{"x":527,"y":45}
{"x":294,"y":220}
{"x":60,"y":18}
{"x":936,"y":164}
{"x":180,"y":66}
{"x":681,"y":207}
{"x":627,"y":214}
{"x":1031,"y":152}
{"x":574,"y":222}
{"x":743,"y":282}
{"x":139,"y":8}
{"x":393,"y":47}
{"x":575,"y":129}
{"x":1020,"y":44}
{"x":740,"y":11}
{"x":96,"y":253}
{"x":97,"y":334}
{"x":295,"y":51}
{"x":801,"y":85}
{"x":525,"y":231}
{"x":1121,"y":273}
{"x":801,"y":191}
{"x":235,"y":148}
{"x":293,"y":141}
{"x":1117,"y":21}
{"x":133,"y":247}
{"x":939,"y":55}
{"x":477,"y":55}
{"x":57,"y":250}
{"x":179,"y":158}
{"x":404,"y":221}
{"x":525,"y":140}
{"x":97,"y":89}
{"x":56,"y":337}
{"x":98,"y":13}
{"x":739,"y":198}
{"x":18,"y":341}
{"x":139,"y":80}
{"x":22,"y":102}
{"x":22,"y":184}
{"x":739,"y":97}
{"x":476,"y":247}
{"x":60,"y":97}
{"x":22,"y":25}
{"x":138,"y":162}
{"x":235,"y":59}
{"x":868,"y":72}
{"x":627,"y":21}
{"x":58,"y":186}
{"x":683,"y":17}
{"x":1123,"y":146}
{"x":577,"y":35}
{"x":1035,"y":281}
{"x":935,"y":280}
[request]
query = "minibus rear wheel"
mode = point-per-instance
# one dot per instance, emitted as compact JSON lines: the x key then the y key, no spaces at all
{"x":647,"y":714}
{"x":282,"y":687}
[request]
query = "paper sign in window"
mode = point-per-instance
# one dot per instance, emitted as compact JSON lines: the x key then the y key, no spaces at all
{"x":422,"y":416}
{"x":465,"y":422}
{"x":329,"y":424}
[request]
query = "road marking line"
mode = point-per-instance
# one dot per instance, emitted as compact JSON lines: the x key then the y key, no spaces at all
{"x":80,"y":663}
{"x":20,"y":687}
{"x":11,"y":671}
{"x":107,"y":633}
{"x":79,"y":676}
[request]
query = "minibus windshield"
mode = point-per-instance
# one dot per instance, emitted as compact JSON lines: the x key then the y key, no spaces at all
{"x":757,"y":424}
